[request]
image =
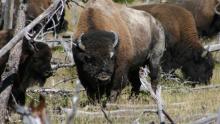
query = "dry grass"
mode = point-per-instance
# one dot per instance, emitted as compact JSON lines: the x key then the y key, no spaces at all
{"x":183,"y":105}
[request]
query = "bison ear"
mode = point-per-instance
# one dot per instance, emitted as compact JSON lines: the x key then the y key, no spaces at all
{"x":78,"y":43}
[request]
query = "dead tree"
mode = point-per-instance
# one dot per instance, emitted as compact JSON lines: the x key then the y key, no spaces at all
{"x":8,"y":14}
{"x":15,"y":53}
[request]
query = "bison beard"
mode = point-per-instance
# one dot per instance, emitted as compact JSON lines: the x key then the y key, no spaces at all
{"x":112,"y":43}
{"x":183,"y":48}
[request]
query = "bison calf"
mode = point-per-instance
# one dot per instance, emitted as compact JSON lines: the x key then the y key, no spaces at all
{"x":34,"y":66}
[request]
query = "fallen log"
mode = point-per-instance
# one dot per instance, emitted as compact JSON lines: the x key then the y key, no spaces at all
{"x":212,"y":48}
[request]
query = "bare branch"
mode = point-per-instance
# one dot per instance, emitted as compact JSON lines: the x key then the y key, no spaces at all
{"x":53,"y":91}
{"x":106,"y":116}
{"x":20,"y":34}
{"x":212,"y":48}
{"x":75,"y":101}
{"x":113,"y":113}
{"x":206,"y":120}
{"x":156,"y":97}
{"x":4,"y":96}
{"x":57,"y":66}
{"x":63,"y":81}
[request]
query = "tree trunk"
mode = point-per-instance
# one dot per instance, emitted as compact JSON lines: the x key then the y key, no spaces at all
{"x":8,"y":14}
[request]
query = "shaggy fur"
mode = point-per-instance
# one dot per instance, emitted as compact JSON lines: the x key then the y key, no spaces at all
{"x":141,"y":42}
{"x":34,"y":67}
{"x":183,"y":48}
{"x":207,"y":21}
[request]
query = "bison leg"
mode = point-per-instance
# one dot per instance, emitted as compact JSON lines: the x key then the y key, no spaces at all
{"x":135,"y":82}
{"x":154,"y":67}
{"x":120,"y":80}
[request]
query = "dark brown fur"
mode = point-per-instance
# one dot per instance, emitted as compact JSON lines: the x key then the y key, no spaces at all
{"x":207,"y":21}
{"x":34,"y":67}
{"x":183,"y":48}
{"x":141,"y":42}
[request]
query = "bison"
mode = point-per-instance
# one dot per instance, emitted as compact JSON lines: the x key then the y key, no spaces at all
{"x":183,"y":48}
{"x":207,"y":20}
{"x":112,"y":43}
{"x":34,"y":67}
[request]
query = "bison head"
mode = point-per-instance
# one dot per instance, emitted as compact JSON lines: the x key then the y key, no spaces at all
{"x":95,"y":54}
{"x":200,"y":68}
{"x":35,"y":64}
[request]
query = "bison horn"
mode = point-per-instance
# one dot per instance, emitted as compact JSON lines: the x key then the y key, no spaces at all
{"x":79,"y":43}
{"x":216,"y":8}
{"x":116,"y":39}
{"x":204,"y":53}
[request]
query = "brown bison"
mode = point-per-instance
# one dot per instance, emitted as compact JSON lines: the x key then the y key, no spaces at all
{"x":207,"y":20}
{"x":183,"y":48}
{"x":112,"y":43}
{"x":34,"y":67}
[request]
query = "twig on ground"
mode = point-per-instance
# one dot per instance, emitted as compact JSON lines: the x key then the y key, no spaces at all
{"x":57,"y":66}
{"x":106,"y":116}
{"x":53,"y":91}
{"x":156,"y":97}
{"x":75,"y":100}
{"x":113,"y":113}
{"x":212,"y":48}
{"x":63,"y":81}
{"x":206,"y":120}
